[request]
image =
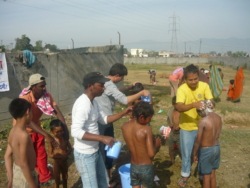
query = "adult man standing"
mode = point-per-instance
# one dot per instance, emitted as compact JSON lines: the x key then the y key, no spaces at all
{"x":107,"y":103}
{"x":189,"y":96}
{"x":41,"y":102}
{"x":85,"y":115}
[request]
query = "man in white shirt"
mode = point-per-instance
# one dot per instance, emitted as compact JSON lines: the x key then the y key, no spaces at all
{"x":86,"y":114}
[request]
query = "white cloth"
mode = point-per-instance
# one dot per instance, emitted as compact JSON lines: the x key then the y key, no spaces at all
{"x":85,"y":116}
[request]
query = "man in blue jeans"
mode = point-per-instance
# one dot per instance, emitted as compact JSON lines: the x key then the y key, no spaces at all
{"x":107,"y":103}
{"x":85,"y":115}
{"x":189,"y":98}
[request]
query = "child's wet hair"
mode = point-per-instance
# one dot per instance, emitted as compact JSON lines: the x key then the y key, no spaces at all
{"x":18,"y":107}
{"x":137,"y":88}
{"x":143,"y":108}
{"x":231,"y":82}
{"x":174,"y":100}
{"x":55,"y":123}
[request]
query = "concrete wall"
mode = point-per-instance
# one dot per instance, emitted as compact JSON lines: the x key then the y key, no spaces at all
{"x":228,"y":61}
{"x":63,"y":71}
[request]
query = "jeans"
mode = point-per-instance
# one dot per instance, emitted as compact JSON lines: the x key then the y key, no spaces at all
{"x":92,"y":170}
{"x":187,"y":139}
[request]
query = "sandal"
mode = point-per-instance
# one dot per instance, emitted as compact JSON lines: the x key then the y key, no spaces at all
{"x":183,"y":182}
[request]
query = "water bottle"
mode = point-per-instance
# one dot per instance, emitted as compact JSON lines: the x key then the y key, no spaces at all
{"x":146,"y":98}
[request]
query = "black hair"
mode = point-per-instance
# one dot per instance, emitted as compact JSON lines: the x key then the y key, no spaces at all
{"x":137,"y":88}
{"x":143,"y":108}
{"x":191,"y":69}
{"x":118,"y":68}
{"x":202,"y":69}
{"x":219,"y":69}
{"x":231,"y":82}
{"x":18,"y":107}
{"x":55,"y":123}
{"x":174,"y":100}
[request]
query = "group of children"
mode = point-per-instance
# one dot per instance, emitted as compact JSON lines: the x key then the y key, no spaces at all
{"x":22,"y":172}
{"x":137,"y":135}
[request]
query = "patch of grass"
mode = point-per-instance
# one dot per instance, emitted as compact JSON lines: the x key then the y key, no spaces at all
{"x":45,"y":123}
{"x":4,"y":133}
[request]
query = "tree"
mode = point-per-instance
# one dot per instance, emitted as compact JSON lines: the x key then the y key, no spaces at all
{"x":23,"y":43}
{"x":51,"y":47}
{"x":125,"y":51}
{"x":213,"y":53}
{"x":229,"y":53}
{"x":38,"y":46}
{"x":239,"y":54}
{"x":2,"y":48}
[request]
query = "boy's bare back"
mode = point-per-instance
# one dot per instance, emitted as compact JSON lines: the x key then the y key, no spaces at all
{"x":22,"y":147}
{"x":211,"y":125}
{"x":139,"y":140}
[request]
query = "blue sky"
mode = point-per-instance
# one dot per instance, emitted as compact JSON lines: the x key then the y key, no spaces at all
{"x":96,"y":22}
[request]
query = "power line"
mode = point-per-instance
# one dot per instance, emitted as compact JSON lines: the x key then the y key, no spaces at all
{"x":76,"y":16}
{"x":174,"y":43}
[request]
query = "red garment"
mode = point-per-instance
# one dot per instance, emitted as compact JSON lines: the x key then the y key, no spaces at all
{"x":238,"y":84}
{"x":38,"y":140}
{"x":41,"y":157}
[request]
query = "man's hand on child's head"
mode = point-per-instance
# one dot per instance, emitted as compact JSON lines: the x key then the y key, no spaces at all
{"x":200,"y":105}
{"x":128,"y":110}
{"x":145,"y":93}
{"x":107,"y":140}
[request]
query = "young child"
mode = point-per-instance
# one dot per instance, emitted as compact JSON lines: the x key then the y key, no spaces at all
{"x":152,"y":73}
{"x":136,"y":89}
{"x":174,"y":137}
{"x":139,"y":139}
{"x":207,"y":148}
{"x":22,"y":173}
{"x":230,"y":90}
{"x":60,"y":155}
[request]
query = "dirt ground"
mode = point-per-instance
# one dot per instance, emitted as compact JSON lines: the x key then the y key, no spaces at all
{"x":234,"y":171}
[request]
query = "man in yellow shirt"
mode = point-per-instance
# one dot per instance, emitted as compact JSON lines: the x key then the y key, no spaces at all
{"x":189,"y":97}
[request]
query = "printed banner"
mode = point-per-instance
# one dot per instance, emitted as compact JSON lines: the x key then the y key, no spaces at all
{"x":4,"y":80}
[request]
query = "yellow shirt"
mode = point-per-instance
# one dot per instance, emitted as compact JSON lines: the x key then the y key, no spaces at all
{"x":189,"y":119}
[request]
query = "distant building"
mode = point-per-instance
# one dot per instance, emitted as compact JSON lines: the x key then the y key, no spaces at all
{"x":138,"y":53}
{"x":164,"y":53}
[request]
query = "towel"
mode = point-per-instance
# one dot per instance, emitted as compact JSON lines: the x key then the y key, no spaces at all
{"x":215,"y":82}
{"x":43,"y":103}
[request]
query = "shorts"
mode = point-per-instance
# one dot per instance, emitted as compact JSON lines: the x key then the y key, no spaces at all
{"x":19,"y":181}
{"x":209,"y":159}
{"x":174,"y":139}
{"x":142,"y":175}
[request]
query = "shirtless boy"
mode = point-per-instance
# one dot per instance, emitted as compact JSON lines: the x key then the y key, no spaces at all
{"x":207,"y":148}
{"x":60,"y":155}
{"x":139,"y":140}
{"x":174,"y":137}
{"x":22,"y":173}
